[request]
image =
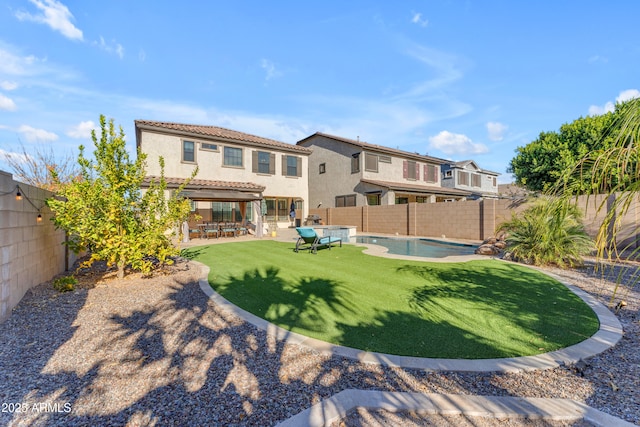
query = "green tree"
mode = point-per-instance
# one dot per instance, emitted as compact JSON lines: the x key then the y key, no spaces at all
{"x":105,"y":212}
{"x":613,"y":171}
{"x":541,"y":163}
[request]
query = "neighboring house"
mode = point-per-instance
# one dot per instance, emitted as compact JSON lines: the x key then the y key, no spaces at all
{"x":239,"y":174}
{"x":347,"y":172}
{"x":466,"y":175}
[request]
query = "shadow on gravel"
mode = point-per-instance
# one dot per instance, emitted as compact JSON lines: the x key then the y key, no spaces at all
{"x":158,"y":352}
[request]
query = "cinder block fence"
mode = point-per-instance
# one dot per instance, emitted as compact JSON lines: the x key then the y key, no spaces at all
{"x":31,"y":251}
{"x":469,"y":220}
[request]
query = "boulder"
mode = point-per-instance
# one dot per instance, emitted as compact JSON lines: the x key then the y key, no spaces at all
{"x":500,"y":244}
{"x":490,"y":241}
{"x":487,"y":249}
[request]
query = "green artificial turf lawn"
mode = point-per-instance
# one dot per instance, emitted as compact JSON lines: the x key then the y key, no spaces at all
{"x":473,"y":310}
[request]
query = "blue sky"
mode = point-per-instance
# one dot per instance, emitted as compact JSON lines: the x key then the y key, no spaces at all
{"x":453,"y":79}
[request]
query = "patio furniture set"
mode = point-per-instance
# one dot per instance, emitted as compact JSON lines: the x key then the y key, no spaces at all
{"x":210,"y":229}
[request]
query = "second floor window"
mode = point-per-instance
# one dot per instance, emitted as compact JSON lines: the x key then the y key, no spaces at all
{"x":411,"y":170}
{"x":188,"y":151}
{"x":291,"y":166}
{"x":475,"y":180}
{"x":370,"y":162}
{"x":431,"y":173}
{"x":463,"y":178}
{"x":264,"y":162}
{"x":355,"y":163}
{"x":233,"y":156}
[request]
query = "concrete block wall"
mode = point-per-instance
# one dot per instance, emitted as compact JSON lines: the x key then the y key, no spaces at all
{"x":469,"y":220}
{"x":31,"y":252}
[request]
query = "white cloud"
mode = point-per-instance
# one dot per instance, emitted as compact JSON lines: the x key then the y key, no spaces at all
{"x":496,"y":130}
{"x":446,"y":69}
{"x":6,"y":103}
{"x":32,"y":134}
{"x":419,"y":20}
{"x":455,"y":143}
{"x":82,"y":130}
{"x":111,"y":48}
{"x":625,"y":95}
{"x":18,"y":157}
{"x":7,"y":85}
{"x":54,"y":14}
{"x":270,"y":69}
{"x":15,"y":65}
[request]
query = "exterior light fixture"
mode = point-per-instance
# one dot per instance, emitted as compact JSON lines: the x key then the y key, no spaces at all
{"x":39,"y":219}
{"x":18,"y":195}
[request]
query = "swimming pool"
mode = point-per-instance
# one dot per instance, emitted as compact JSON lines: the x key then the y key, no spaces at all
{"x":428,"y":248}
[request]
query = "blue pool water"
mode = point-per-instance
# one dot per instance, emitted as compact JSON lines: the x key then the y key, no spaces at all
{"x":418,"y":247}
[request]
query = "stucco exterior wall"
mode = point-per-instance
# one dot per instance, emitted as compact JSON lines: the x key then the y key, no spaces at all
{"x":486,"y":179}
{"x":337,"y":180}
{"x":393,"y":172}
{"x":210,"y":165}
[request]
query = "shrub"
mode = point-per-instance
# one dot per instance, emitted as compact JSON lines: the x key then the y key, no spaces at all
{"x":65,"y":284}
{"x":548,"y":233}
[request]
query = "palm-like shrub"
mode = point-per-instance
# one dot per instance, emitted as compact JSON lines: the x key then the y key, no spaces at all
{"x":550,"y":232}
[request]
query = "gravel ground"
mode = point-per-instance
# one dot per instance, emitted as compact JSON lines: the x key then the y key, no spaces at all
{"x":155,"y":351}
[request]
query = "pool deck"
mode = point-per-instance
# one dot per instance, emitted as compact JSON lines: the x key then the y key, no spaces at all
{"x":336,"y":407}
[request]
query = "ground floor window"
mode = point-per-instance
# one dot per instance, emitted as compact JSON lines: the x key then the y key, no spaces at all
{"x":402,"y":200}
{"x":344,"y":201}
{"x":231,"y":211}
{"x":224,"y":211}
{"x":373,"y":199}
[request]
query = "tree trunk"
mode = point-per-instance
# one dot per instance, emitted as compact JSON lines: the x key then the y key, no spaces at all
{"x":121,"y":265}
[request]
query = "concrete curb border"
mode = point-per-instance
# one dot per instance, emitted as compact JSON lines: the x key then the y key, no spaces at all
{"x":337,"y":407}
{"x":608,"y":335}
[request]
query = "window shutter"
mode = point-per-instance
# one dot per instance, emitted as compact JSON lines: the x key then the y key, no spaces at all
{"x":272,"y":163}
{"x":299,"y":166}
{"x":405,"y":169}
{"x":417,"y":172}
{"x":426,"y":172}
{"x":254,"y":161}
{"x":284,"y":164}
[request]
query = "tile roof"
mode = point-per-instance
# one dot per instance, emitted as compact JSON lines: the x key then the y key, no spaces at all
{"x":378,"y":148}
{"x":417,"y":188}
{"x":216,"y":132}
{"x":207,"y":184}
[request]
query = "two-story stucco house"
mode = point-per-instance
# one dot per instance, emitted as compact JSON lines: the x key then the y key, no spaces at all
{"x":347,"y":172}
{"x":239,"y":174}
{"x":467,"y":175}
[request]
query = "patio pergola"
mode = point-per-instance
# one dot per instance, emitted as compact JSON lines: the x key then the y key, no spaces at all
{"x":204,"y":190}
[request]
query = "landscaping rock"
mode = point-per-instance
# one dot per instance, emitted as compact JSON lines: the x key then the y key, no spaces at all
{"x":487,"y":249}
{"x":500,"y":244}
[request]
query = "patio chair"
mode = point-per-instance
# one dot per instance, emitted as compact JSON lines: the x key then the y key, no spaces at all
{"x":210,"y":229}
{"x":309,"y":239}
{"x":230,"y":227}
